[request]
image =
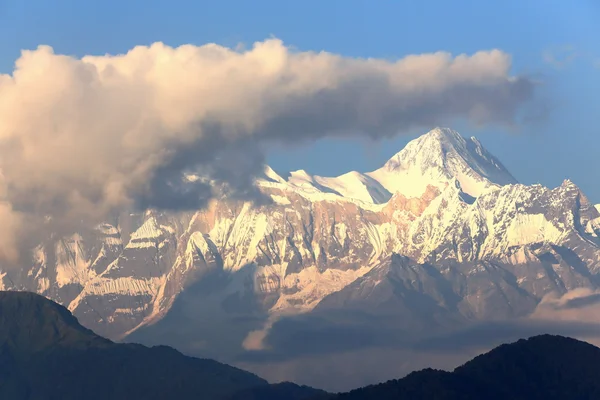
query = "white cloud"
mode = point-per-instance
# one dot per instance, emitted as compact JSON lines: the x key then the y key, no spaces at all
{"x":80,"y":137}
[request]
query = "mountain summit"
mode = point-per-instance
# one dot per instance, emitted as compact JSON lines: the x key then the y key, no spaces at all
{"x":437,"y":158}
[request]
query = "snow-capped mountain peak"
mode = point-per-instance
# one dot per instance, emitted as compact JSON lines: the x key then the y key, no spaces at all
{"x":435,"y":159}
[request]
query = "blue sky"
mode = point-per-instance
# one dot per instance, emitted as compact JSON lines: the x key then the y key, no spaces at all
{"x":564,"y":144}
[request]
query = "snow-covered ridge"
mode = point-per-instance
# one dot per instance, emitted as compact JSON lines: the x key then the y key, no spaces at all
{"x":434,"y":159}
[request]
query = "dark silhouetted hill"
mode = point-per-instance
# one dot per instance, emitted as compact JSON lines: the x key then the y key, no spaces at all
{"x":542,"y":367}
{"x":46,"y":354}
{"x":281,"y":391}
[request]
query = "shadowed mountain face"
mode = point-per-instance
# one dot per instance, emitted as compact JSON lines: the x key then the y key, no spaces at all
{"x":542,"y":367}
{"x":46,"y":354}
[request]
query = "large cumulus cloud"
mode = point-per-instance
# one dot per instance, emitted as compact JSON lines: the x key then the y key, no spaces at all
{"x":81,"y":137}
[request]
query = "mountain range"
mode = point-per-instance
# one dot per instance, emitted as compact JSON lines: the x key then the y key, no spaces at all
{"x":440,"y":237}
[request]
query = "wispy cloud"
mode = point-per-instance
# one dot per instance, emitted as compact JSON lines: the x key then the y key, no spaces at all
{"x":560,"y":57}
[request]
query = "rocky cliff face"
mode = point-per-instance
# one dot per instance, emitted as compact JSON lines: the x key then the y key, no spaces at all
{"x":442,"y":232}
